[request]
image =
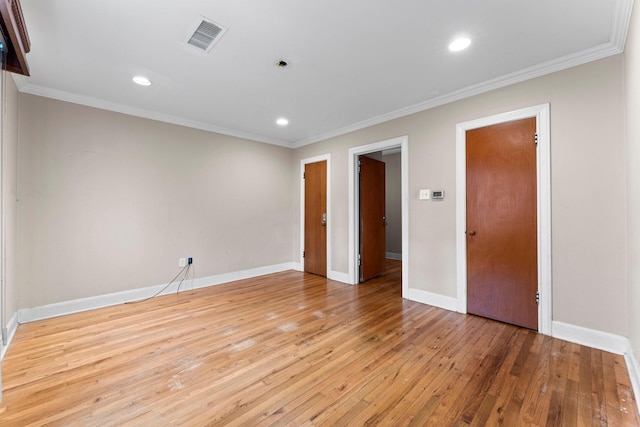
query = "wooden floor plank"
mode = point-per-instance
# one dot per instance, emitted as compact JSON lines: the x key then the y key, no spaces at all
{"x":297,"y":349}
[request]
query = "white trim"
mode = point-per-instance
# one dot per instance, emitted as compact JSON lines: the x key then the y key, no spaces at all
{"x":569,"y":61}
{"x":90,"y":101}
{"x":403,"y":143}
{"x":339,"y":277}
{"x":604,"y":341}
{"x":12,"y":327}
{"x":589,"y":337}
{"x":633,"y":367}
{"x":404,"y":171}
{"x":100,"y":301}
{"x":541,"y":113}
{"x":393,"y":255}
{"x":621,"y":22}
{"x":303,"y":162}
{"x":429,"y":298}
{"x":583,"y":57}
{"x":618,"y":35}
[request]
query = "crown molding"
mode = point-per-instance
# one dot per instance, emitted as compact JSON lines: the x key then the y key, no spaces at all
{"x":621,"y":22}
{"x":539,"y":70}
{"x":25,"y":87}
{"x":617,"y":37}
{"x":617,"y":40}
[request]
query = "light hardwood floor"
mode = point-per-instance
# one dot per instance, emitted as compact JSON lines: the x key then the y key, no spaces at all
{"x":297,"y":349}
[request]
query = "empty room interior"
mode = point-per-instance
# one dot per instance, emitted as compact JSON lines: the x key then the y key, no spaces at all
{"x":320,"y":213}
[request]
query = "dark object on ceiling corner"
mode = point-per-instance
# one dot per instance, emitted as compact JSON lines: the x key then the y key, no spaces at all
{"x":16,"y":36}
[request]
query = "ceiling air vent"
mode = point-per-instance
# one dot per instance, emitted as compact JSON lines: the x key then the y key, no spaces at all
{"x":206,"y":34}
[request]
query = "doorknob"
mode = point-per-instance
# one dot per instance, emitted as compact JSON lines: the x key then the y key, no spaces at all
{"x":471,"y":233}
{"x":324,"y":219}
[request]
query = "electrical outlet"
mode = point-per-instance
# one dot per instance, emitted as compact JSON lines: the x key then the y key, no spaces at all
{"x":182,"y":262}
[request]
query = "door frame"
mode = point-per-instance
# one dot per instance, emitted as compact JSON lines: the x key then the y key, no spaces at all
{"x":543,"y":177}
{"x":303,"y":163}
{"x":401,"y":142}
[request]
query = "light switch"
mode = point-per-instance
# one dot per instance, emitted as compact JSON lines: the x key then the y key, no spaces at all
{"x":425,"y":194}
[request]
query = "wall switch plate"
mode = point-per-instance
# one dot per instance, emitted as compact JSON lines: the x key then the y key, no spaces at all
{"x":425,"y":194}
{"x":182,"y":262}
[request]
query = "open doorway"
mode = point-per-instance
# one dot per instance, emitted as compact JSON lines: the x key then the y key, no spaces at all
{"x":380,"y":220}
{"x":397,"y":146}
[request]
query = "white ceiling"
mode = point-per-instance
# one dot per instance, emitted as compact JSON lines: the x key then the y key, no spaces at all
{"x":353,"y":63}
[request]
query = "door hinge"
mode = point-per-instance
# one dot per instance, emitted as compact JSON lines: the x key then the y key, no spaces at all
{"x":538,"y":298}
{"x":359,"y":259}
{"x":304,"y":175}
{"x":359,"y":163}
{"x":303,"y":254}
{"x":536,"y":139}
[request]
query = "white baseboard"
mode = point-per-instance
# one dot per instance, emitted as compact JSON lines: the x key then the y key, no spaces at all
{"x":68,"y":307}
{"x":331,"y":275}
{"x":339,"y":277}
{"x":602,"y":341}
{"x":590,"y":337}
{"x":429,"y":298}
{"x":12,"y":327}
{"x":204,"y":282}
{"x":634,"y":372}
{"x":393,"y":255}
{"x":576,"y":334}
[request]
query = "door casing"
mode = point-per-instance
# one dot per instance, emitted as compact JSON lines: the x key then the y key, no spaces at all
{"x":543,"y":177}
{"x":303,"y":162}
{"x":401,"y":142}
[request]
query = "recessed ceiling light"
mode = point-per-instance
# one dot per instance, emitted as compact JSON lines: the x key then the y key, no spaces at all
{"x":459,"y":44}
{"x":282,"y":121}
{"x":142,"y":81}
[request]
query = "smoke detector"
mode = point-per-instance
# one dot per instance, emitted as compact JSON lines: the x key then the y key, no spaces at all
{"x":206,"y":34}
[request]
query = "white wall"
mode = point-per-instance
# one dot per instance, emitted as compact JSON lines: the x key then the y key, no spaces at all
{"x":632,"y":74}
{"x":109,"y":202}
{"x":588,"y":189}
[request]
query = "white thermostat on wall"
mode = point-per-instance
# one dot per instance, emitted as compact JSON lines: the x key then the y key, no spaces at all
{"x":437,"y":194}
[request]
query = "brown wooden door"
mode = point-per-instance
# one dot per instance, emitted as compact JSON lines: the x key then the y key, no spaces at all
{"x":315,"y":219}
{"x":372,"y":218}
{"x":502,"y":263}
